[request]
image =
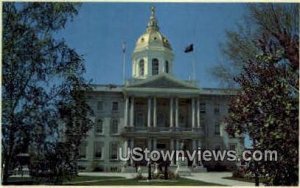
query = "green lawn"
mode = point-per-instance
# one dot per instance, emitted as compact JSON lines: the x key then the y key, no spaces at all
{"x":112,"y":180}
{"x":122,"y":181}
{"x":251,"y":180}
{"x":91,"y":178}
{"x":30,"y":181}
{"x":20,"y":181}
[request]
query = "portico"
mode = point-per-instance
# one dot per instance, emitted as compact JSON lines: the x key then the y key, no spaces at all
{"x":161,"y":117}
{"x":171,"y":113}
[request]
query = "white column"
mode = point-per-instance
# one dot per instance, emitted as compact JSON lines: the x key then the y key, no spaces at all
{"x":172,"y":149}
{"x":131,"y":147}
{"x":193,"y":113}
{"x":198,"y":112}
{"x":149,"y":112}
{"x":154,"y":112}
{"x":199,"y":147}
{"x":177,"y":145}
{"x":150,"y":144}
{"x":195,"y":149}
{"x":132,"y":112}
{"x":199,"y":144}
{"x":125,"y":149}
{"x":176,"y":112}
{"x":154,"y":143}
{"x":171,"y":112}
{"x":126,"y":112}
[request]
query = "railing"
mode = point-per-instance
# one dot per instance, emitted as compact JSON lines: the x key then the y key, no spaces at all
{"x":161,"y":129}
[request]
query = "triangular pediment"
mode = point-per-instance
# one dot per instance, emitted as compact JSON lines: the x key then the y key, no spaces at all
{"x":163,"y":81}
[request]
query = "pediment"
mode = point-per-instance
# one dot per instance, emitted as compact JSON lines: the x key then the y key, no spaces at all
{"x":162,"y":81}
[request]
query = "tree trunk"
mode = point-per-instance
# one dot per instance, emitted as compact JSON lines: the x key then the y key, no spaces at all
{"x":5,"y":172}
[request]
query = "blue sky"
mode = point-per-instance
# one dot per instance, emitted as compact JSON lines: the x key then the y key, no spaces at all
{"x":99,"y":29}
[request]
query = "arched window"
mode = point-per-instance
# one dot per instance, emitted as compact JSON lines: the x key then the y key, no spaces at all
{"x":154,"y":66}
{"x":141,"y":66}
{"x":167,"y":67}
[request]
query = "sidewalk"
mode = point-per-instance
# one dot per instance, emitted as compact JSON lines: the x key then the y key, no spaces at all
{"x":217,"y":177}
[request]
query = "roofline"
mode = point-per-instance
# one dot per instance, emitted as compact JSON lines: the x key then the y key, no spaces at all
{"x":116,"y":88}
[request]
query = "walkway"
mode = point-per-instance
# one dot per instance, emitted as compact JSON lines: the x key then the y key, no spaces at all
{"x":217,"y":177}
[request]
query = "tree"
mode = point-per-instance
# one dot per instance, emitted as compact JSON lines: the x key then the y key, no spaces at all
{"x":266,"y":107}
{"x":43,"y":89}
{"x":279,"y":22}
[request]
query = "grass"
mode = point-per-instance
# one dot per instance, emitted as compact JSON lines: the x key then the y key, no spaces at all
{"x":113,"y":180}
{"x":30,"y":181}
{"x":251,"y":180}
{"x":19,"y":181}
{"x":122,"y":181}
{"x":91,"y":178}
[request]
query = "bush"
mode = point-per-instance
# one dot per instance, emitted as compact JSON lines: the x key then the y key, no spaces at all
{"x":173,"y":175}
{"x":140,"y":177}
{"x":239,"y":172}
{"x":98,"y":169}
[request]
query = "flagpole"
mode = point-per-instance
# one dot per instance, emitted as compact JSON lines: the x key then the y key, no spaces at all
{"x":194,"y":66}
{"x":193,"y":76}
{"x":188,"y":49}
{"x":124,"y":61}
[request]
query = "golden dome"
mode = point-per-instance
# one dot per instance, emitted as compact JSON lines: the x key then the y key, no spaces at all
{"x":152,"y":38}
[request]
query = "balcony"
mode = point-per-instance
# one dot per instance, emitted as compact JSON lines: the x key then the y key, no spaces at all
{"x":164,"y":131}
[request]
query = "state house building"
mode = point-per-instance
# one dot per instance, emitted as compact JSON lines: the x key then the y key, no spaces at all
{"x":154,"y":110}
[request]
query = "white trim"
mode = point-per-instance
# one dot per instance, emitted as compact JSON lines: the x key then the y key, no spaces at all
{"x":162,"y":75}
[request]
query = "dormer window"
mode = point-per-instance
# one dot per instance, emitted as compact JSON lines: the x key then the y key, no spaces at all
{"x":155,"y":66}
{"x":142,"y":67}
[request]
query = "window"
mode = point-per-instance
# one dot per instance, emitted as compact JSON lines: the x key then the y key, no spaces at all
{"x":82,"y":150}
{"x":161,"y":120}
{"x":161,"y":146}
{"x":115,"y":106}
{"x":98,"y":150}
{"x":140,"y":120}
{"x":217,"y":128}
{"x":217,"y":109}
{"x":114,"y":126}
{"x":217,"y":147}
{"x":232,"y":147}
{"x":141,"y":66}
{"x":100,"y":105}
{"x":203,"y":125}
{"x":181,"y":119}
{"x":167,"y":67}
{"x":99,"y":127}
{"x":202,"y":108}
{"x":114,"y":151}
{"x":155,"y":66}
